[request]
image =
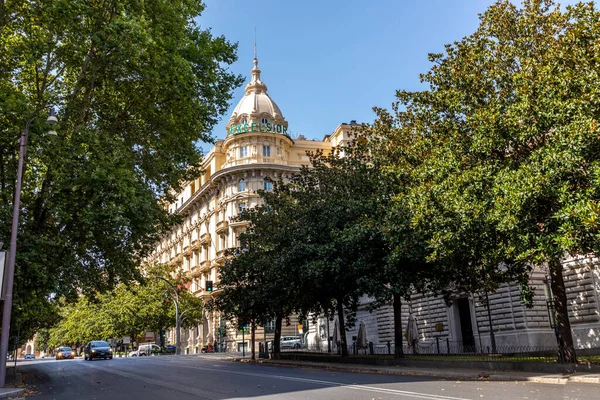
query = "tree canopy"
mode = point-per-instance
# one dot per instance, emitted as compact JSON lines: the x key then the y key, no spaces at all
{"x":137,"y":85}
{"x":127,"y":311}
{"x":510,"y":121}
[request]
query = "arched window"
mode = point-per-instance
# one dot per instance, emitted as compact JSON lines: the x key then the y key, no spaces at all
{"x":264,"y":120}
{"x":268,"y":184}
{"x":241,"y":185}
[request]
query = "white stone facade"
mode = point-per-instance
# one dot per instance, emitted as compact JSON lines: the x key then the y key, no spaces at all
{"x":515,"y":326}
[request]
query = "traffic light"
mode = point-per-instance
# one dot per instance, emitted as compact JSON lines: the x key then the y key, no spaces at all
{"x":209,"y":286}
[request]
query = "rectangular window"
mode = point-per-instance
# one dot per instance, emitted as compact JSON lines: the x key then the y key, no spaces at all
{"x":267,"y":151}
{"x":268,"y":185}
{"x":242,"y":207}
{"x":243,"y":151}
{"x":270,"y":326}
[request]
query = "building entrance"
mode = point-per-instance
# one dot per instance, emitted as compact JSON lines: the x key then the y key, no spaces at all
{"x":466,"y":325}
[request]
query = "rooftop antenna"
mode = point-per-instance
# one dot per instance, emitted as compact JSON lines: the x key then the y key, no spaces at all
{"x":255,"y":42}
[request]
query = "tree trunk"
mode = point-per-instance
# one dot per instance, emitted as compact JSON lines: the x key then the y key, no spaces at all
{"x":564,"y":336}
{"x":277,"y":336}
{"x":342,"y":332}
{"x":252,"y":340}
{"x":398,"y":351}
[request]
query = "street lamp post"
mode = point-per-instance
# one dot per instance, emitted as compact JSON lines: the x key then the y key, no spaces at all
{"x":10,"y":266}
{"x":175,"y":298}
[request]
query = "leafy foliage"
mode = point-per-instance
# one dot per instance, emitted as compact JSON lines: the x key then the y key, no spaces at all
{"x":509,"y":129}
{"x":137,"y":85}
{"x":126,"y":311}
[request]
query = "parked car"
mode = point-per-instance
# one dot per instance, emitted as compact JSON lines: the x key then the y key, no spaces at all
{"x":170,"y":348}
{"x":97,"y":349}
{"x":145,"y":350}
{"x":207,"y":349}
{"x":29,"y":357}
{"x":64,"y":353}
{"x":290,"y":342}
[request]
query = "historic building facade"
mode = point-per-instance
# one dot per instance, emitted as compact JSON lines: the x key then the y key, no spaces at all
{"x":464,"y":325}
{"x":256,"y":151}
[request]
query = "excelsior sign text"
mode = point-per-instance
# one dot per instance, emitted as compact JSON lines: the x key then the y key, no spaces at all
{"x":258,"y":127}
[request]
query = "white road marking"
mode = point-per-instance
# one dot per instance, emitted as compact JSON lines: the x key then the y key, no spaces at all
{"x":405,"y":393}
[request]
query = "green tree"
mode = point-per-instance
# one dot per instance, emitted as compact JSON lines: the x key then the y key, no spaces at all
{"x":244,"y":300}
{"x":264,"y":269}
{"x":137,"y":86}
{"x":511,"y":118}
{"x":336,"y":245}
{"x":127,"y":310}
{"x":42,"y":338}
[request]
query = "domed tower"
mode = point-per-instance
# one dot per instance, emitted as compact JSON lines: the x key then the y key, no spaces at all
{"x":257,"y":132}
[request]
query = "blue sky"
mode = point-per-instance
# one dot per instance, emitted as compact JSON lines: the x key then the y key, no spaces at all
{"x":330,"y":61}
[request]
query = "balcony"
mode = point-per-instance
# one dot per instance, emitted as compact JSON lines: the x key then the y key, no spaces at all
{"x":220,"y":258}
{"x":187,"y":251}
{"x":205,"y":266}
{"x":222,"y":227}
{"x":236,"y":224}
{"x":195,"y":272}
{"x":176,"y":261}
{"x":205,"y":239}
{"x":196,"y":245}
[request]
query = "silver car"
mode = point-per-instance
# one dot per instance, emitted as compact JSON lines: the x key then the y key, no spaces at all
{"x":64,"y":353}
{"x":290,"y":342}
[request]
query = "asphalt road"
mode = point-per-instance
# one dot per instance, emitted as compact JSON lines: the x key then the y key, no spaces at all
{"x":212,"y":377}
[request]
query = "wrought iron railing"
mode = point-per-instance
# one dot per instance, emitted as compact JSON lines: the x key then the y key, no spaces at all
{"x":452,"y":350}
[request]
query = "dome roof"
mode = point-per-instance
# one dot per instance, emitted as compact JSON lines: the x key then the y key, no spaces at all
{"x":256,"y":103}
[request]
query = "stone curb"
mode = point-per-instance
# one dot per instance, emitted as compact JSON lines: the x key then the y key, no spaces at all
{"x":585,"y":379}
{"x":474,"y":375}
{"x":6,"y":393}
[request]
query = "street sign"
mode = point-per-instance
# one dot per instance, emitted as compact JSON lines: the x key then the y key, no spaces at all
{"x":126,"y":340}
{"x":2,"y":262}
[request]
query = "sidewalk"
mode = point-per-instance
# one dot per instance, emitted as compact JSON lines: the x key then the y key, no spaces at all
{"x":5,"y":393}
{"x":455,"y":373}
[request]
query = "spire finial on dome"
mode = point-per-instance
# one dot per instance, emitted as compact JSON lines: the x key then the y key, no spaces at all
{"x":255,"y":85}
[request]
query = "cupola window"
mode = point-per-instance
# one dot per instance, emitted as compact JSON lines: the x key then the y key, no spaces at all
{"x":244,"y":121}
{"x":264,"y":120}
{"x":241,"y":185}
